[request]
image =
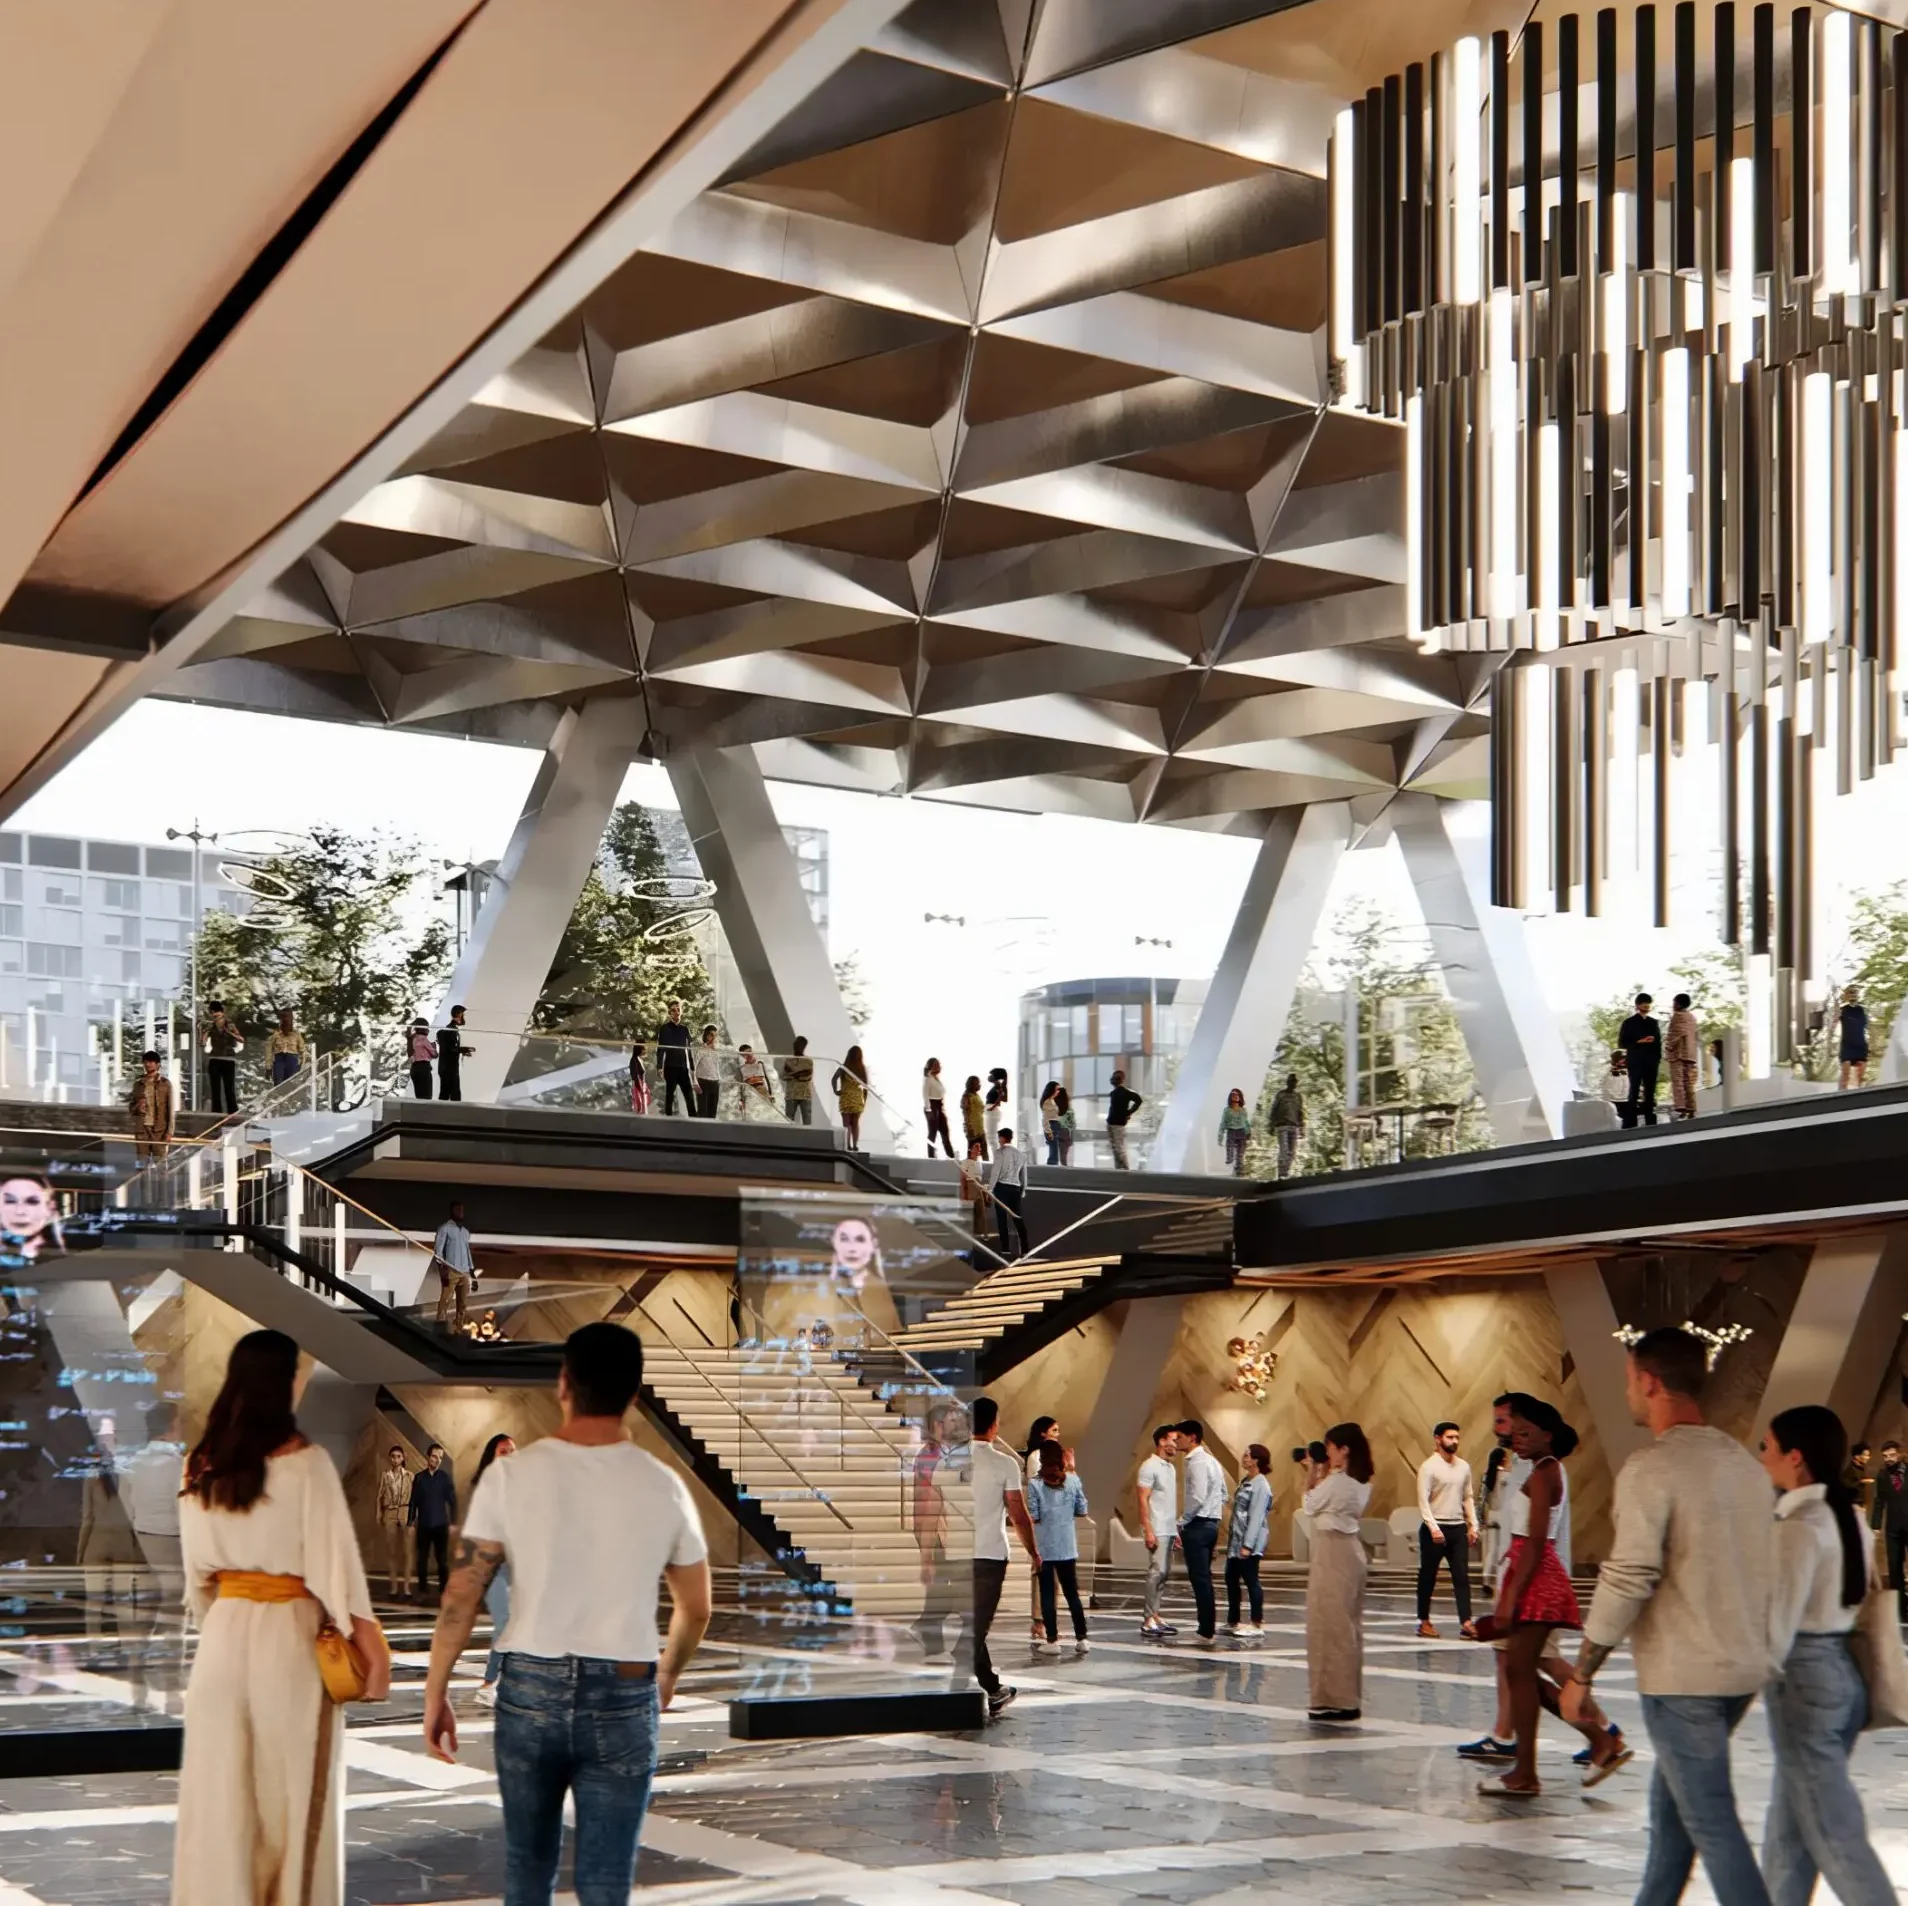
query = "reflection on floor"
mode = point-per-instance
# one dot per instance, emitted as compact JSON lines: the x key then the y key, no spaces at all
{"x":1138,"y":1772}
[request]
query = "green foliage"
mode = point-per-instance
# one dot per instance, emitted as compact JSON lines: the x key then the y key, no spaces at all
{"x":620,"y":962}
{"x":1875,"y":959}
{"x":333,"y":935}
{"x":853,"y":984}
{"x":1713,"y":979}
{"x":1410,"y":1052}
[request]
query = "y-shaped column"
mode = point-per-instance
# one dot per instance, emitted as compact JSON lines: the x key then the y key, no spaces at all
{"x":507,"y":957}
{"x":1244,"y":1016}
{"x":778,"y":949}
{"x":1517,"y":1049}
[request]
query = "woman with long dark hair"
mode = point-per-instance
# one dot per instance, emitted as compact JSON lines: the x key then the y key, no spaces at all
{"x":269,"y":1556}
{"x":1534,"y":1599}
{"x":1335,"y":1582}
{"x":1817,"y":1704}
{"x":851,"y":1093}
{"x":497,"y":1595}
{"x":1045,"y":1429}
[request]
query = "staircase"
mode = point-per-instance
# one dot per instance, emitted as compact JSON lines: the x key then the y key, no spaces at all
{"x":823,"y":1470}
{"x":1000,"y":1302}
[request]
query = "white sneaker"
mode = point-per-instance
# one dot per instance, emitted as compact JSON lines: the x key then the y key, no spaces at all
{"x":1080,"y":1647}
{"x":1251,"y":1632}
{"x":1233,"y":1628}
{"x":487,"y":1695}
{"x":1045,"y":1647}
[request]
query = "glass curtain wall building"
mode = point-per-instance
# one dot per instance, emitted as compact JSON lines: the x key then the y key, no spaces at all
{"x":1078,"y":1032}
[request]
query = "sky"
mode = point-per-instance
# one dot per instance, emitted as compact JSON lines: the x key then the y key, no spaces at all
{"x":1039,"y":898}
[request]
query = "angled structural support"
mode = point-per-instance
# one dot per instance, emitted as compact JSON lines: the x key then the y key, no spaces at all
{"x":779,"y":953}
{"x":1517,"y":1048}
{"x":507,"y":957}
{"x":1149,"y":1328}
{"x":1842,"y":1336}
{"x":1588,"y":1321}
{"x":1244,"y":1016}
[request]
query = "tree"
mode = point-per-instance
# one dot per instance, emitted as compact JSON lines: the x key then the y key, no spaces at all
{"x":853,"y":986}
{"x":333,"y":932}
{"x":1875,"y":960}
{"x":629,"y":948}
{"x":1411,"y":1051}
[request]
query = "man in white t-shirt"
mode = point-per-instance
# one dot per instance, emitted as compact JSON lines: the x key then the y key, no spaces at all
{"x":591,"y":1527}
{"x":1159,"y":1524}
{"x":999,"y":1497}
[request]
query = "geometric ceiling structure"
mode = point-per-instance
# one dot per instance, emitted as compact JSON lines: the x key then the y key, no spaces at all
{"x":967,"y":439}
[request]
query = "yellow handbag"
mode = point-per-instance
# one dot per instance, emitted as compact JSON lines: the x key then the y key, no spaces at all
{"x":340,"y":1666}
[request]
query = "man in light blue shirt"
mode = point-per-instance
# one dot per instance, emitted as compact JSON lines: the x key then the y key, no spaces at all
{"x":1205,"y":1503}
{"x":450,"y":1255}
{"x":1007,"y":1180}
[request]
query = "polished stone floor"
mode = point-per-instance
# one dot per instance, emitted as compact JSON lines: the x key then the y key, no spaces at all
{"x":1136,"y":1772}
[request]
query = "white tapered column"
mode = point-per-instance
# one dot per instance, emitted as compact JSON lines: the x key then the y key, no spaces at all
{"x":1517,"y":1049}
{"x":1251,"y":996}
{"x":520,"y":925}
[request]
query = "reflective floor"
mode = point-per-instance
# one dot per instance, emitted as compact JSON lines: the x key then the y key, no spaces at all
{"x":1137,"y":1772}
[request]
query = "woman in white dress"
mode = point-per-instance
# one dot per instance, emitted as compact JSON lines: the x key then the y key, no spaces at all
{"x":1335,"y":1583}
{"x":269,"y":1553}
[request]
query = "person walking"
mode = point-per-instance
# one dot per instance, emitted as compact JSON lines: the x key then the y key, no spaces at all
{"x":451,"y":1054}
{"x":1335,"y":1502}
{"x":1121,"y":1103}
{"x":1641,"y":1039}
{"x":151,"y":1107}
{"x":1235,"y":1131}
{"x":1205,"y":1505}
{"x":672,"y":1051}
{"x":941,"y":1430}
{"x":269,"y":1555}
{"x":423,"y":1055}
{"x":223,"y":1043}
{"x":1159,"y":1525}
{"x":973,"y":1116}
{"x":456,"y":1270}
{"x":798,"y":1084}
{"x":1852,"y":1039}
{"x":433,"y":1511}
{"x":934,"y":1108}
{"x":1817,"y":1703}
{"x":1682,"y":1047}
{"x":974,"y":1193}
{"x":591,"y":1528}
{"x":1857,"y":1479}
{"x":394,"y":1522}
{"x":1288,"y":1122}
{"x":850,"y":1087}
{"x":997,"y":1493}
{"x":1008,"y":1183}
{"x":1042,"y":1431}
{"x":1688,"y":1581}
{"x":1535,"y":1599}
{"x":638,"y":1078}
{"x":1245,"y":1541}
{"x":708,"y":1069}
{"x":497,"y":1595}
{"x":1888,"y":1512}
{"x":1447,"y":1532}
{"x":1056,"y":1500}
{"x":285,"y":1049}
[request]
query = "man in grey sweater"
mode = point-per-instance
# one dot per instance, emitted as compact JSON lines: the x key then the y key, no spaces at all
{"x":1687,"y":1582}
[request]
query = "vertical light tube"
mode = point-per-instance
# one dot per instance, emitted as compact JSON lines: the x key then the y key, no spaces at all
{"x":1616,"y":312}
{"x":1467,"y":186}
{"x":1838,"y":201}
{"x":1900,"y":528}
{"x":1675,"y":467}
{"x":1414,"y":519}
{"x":1758,"y":972}
{"x":1503,"y":395}
{"x":1535,"y":730}
{"x":1625,"y":737}
{"x":1742,"y":265}
{"x":1818,"y":507}
{"x":1546,"y":596}
{"x":1344,"y":252}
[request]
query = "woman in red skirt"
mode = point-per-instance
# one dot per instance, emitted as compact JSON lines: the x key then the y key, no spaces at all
{"x":1534,"y":1597}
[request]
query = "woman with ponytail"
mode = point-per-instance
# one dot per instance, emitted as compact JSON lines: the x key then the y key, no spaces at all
{"x":1817,"y":1703}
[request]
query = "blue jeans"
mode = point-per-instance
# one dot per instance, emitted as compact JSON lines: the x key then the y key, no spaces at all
{"x":578,"y":1727}
{"x":1692,"y":1805}
{"x":497,"y":1604}
{"x":1197,"y":1540}
{"x":1815,"y":1823}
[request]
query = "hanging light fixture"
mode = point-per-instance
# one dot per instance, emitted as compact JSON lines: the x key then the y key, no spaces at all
{"x":1652,"y":378}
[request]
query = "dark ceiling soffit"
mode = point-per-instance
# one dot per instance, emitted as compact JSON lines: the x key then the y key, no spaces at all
{"x":37,"y":617}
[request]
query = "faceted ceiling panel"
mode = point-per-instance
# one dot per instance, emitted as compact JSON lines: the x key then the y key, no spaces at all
{"x":968,"y":442}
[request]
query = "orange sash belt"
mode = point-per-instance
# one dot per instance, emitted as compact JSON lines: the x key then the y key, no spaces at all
{"x":254,"y":1585}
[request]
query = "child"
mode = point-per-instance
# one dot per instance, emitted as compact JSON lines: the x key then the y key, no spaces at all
{"x":1056,"y":1500}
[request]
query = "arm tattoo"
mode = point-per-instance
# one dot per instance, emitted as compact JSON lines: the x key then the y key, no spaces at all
{"x":1590,"y":1657}
{"x":475,"y":1566}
